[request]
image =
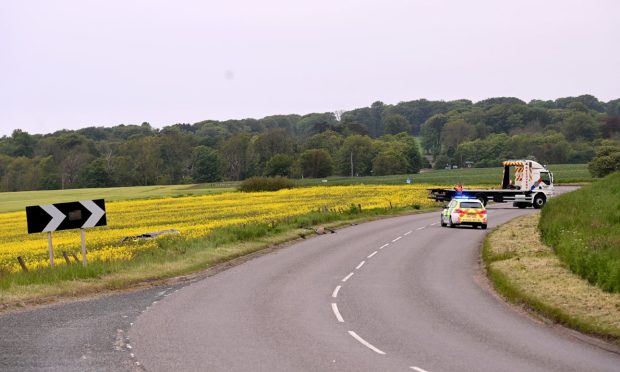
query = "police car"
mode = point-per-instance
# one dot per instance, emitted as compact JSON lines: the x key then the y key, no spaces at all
{"x":464,"y":211}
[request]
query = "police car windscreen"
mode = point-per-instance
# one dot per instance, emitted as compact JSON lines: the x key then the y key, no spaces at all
{"x":471,"y":205}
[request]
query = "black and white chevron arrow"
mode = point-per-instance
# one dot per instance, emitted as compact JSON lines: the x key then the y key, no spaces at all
{"x":65,"y":216}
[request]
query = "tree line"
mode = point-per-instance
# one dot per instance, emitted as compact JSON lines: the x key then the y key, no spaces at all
{"x":377,"y":140}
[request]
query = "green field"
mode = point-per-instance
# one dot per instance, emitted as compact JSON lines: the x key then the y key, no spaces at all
{"x":563,"y":173}
{"x":13,"y":201}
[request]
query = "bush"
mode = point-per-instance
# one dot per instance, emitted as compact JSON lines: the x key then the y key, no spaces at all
{"x":265,"y":184}
{"x":606,"y":161}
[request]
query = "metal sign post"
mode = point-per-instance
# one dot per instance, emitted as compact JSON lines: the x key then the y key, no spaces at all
{"x":84,"y":262}
{"x":50,"y":248}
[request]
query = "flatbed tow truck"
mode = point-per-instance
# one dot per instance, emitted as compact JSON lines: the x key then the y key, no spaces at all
{"x":531,"y":185}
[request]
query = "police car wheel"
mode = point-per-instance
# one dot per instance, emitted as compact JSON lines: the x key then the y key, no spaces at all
{"x":451,"y":224}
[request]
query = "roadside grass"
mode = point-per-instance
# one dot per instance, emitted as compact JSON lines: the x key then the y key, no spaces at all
{"x":527,"y":272}
{"x":583,"y":227}
{"x":173,"y":257}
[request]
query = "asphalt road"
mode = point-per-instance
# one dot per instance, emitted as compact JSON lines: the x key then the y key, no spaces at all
{"x":392,"y":295}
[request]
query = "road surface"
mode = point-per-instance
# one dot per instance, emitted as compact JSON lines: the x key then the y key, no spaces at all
{"x":392,"y":295}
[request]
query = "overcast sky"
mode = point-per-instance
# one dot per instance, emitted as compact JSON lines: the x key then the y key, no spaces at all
{"x":72,"y":64}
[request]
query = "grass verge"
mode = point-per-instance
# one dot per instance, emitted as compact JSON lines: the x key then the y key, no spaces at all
{"x":583,"y":227}
{"x":527,"y":272}
{"x":174,"y":257}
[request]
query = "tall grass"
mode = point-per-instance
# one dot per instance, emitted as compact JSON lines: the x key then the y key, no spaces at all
{"x":583,"y":228}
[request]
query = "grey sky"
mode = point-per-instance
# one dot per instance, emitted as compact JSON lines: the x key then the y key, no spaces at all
{"x":72,"y":64}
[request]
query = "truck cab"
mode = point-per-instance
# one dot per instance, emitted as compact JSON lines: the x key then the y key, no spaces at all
{"x":530,"y":177}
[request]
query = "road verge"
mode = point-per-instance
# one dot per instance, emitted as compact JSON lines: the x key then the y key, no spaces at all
{"x":528,"y":273}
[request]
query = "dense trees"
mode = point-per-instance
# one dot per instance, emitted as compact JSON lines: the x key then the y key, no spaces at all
{"x":374,"y":140}
{"x":568,"y":130}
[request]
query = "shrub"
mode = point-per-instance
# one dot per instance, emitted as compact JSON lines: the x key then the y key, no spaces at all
{"x":265,"y":184}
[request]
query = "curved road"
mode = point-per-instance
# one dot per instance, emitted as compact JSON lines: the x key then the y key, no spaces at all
{"x":391,"y":295}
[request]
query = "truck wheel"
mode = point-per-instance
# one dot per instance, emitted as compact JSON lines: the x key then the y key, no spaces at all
{"x":539,"y":201}
{"x":482,"y":198}
{"x":484,"y":226}
{"x":521,"y":205}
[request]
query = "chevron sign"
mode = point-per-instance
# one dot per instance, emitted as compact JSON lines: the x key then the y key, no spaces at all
{"x":66,"y":216}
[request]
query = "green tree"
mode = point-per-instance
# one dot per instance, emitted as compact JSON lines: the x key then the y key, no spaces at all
{"x":389,"y":161}
{"x":95,"y":174}
{"x":206,"y":165}
{"x":606,"y":161}
{"x":175,"y":149}
{"x":431,"y":133}
{"x":273,"y":142}
{"x":236,"y":154}
{"x":355,"y":156}
{"x":279,"y":165}
{"x":455,"y":132}
{"x":23,"y":143}
{"x":396,"y":123}
{"x":328,"y":140}
{"x":580,"y":125}
{"x":316,"y":163}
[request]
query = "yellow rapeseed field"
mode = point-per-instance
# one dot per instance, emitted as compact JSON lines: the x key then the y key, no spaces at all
{"x":194,"y":217}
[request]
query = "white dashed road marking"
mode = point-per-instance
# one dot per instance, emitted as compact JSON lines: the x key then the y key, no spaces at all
{"x":408,"y":232}
{"x":397,"y":239}
{"x":384,"y":245}
{"x":420,"y":228}
{"x":372,"y":254}
{"x":433,"y":224}
{"x":335,"y":293}
{"x":365,"y":343}
{"x":336,"y":312}
{"x":347,"y":277}
{"x":360,"y":265}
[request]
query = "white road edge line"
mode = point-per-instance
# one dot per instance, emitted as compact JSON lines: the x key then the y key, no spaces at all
{"x":365,"y":343}
{"x":372,"y":254}
{"x":360,"y":265}
{"x":418,"y":369}
{"x":335,"y":293}
{"x":347,"y":277}
{"x":420,"y":228}
{"x":336,"y":312}
{"x":408,"y":232}
{"x":384,"y":245}
{"x":397,"y":239}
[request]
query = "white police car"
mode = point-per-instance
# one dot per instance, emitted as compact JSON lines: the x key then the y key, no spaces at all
{"x":464,"y":211}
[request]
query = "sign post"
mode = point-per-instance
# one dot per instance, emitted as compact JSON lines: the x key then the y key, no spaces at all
{"x":50,"y":248}
{"x":84,"y":262}
{"x":66,"y":216}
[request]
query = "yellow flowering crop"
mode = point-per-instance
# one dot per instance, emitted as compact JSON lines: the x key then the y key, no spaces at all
{"x":193,"y":216}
